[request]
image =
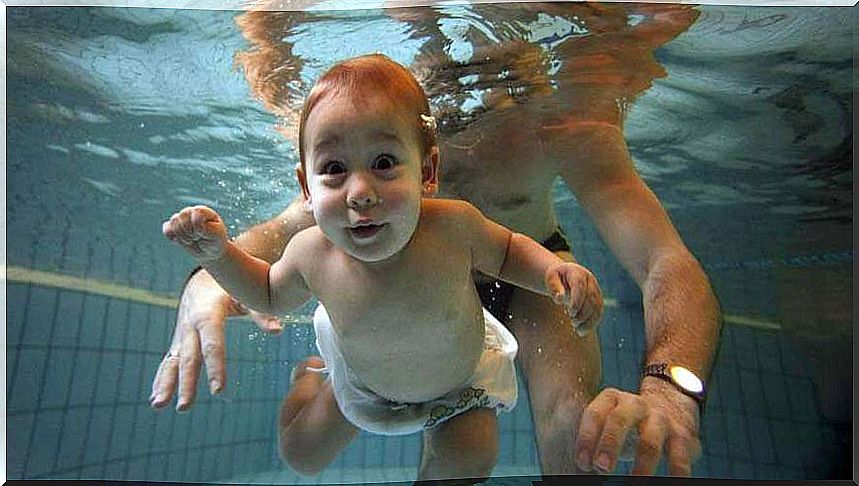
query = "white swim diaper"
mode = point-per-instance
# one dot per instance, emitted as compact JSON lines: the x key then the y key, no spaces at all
{"x":493,"y":385}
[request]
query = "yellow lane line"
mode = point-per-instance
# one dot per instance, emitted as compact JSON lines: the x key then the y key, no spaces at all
{"x":49,"y":279}
{"x":98,"y":287}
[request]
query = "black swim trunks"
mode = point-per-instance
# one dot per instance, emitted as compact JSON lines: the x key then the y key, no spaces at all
{"x":495,"y":294}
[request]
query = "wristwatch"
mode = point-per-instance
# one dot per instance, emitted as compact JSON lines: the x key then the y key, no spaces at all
{"x":682,"y":379}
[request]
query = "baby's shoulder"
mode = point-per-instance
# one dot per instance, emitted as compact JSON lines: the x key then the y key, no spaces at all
{"x":308,"y":242}
{"x":447,"y":209}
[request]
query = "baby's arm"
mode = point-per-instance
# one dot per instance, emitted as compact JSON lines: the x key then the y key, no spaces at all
{"x":518,"y":259}
{"x":270,"y":288}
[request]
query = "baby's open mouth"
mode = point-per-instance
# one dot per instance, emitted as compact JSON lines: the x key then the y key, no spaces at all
{"x":366,"y":230}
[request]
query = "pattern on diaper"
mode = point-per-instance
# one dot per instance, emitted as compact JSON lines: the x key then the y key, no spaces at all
{"x":469,"y":398}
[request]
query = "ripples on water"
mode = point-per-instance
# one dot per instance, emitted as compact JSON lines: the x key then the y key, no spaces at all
{"x":750,"y":105}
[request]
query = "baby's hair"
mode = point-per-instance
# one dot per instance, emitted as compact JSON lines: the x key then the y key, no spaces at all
{"x":368,"y":74}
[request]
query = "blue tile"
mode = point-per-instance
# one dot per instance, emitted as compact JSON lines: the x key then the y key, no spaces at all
{"x":224,"y":465}
{"x":133,"y":385}
{"x":94,"y":319}
{"x":794,"y":362}
{"x":137,"y":470}
{"x":18,"y":430}
{"x":160,"y":329}
{"x":810,"y":443}
{"x":122,"y":427}
{"x":742,"y":470}
{"x":193,"y":467}
{"x":792,"y":473}
{"x":769,"y":351}
{"x":774,"y":390}
{"x":786,"y":443}
{"x":92,"y":473}
{"x":175,"y":465}
{"x":802,"y":400}
{"x":156,"y":467}
{"x":84,"y":379}
{"x":70,"y":454}
{"x":40,"y":316}
{"x":744,"y":347}
{"x":137,"y":326}
{"x":16,"y":304}
{"x":116,"y":322}
{"x":142,"y":429}
{"x":737,"y":435}
{"x":27,"y":380}
{"x":762,"y":443}
{"x":114,"y":471}
{"x":69,"y":310}
{"x":769,"y":472}
{"x":729,"y":387}
{"x":714,"y":438}
{"x":98,"y":436}
{"x":199,"y":429}
{"x":718,"y":467}
{"x":753,"y":399}
{"x":58,"y":379}
{"x":108,"y":377}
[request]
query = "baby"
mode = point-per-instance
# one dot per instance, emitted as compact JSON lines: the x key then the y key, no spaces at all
{"x":399,"y":327}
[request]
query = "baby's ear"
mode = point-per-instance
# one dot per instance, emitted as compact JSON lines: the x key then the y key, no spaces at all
{"x":302,"y":181}
{"x":429,"y":172}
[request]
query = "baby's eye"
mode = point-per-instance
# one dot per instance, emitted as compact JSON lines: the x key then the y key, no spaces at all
{"x":333,"y":167}
{"x":384,"y":162}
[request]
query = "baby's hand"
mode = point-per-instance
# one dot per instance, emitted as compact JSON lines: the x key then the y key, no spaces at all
{"x":576,"y":288}
{"x":199,"y":230}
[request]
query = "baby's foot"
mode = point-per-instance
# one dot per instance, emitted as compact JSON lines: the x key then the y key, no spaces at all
{"x":313,"y":364}
{"x":304,"y":385}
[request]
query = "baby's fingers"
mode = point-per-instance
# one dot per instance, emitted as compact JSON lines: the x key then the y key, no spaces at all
{"x":556,"y":288}
{"x":204,"y":220}
{"x":590,"y":312}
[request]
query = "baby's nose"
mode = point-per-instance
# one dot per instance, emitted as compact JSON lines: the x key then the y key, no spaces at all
{"x":364,"y":200}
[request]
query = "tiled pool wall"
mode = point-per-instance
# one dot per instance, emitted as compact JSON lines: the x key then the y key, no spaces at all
{"x":80,"y":366}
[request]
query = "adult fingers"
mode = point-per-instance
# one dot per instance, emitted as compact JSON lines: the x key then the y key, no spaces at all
{"x":214,"y":353}
{"x":165,"y":381}
{"x":268,"y":323}
{"x":591,"y":425}
{"x":651,"y":439}
{"x":683,"y":450}
{"x":189,"y":370}
{"x":625,"y":416}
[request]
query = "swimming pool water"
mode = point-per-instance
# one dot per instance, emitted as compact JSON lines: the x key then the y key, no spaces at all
{"x":117,"y":116}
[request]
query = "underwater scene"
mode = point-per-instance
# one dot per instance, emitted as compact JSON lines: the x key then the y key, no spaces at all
{"x":737,"y":118}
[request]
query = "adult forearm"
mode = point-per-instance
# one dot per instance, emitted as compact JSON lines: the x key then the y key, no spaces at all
{"x":681,"y":314}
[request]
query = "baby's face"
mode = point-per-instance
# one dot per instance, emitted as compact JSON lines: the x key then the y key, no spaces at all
{"x":363,"y":175}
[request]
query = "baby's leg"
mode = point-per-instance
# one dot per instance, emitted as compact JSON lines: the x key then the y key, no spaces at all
{"x":311,"y":429}
{"x":466,"y":446}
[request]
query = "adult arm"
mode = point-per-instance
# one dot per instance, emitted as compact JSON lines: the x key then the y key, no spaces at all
{"x":681,"y":314}
{"x":518,"y":259}
{"x":203,"y":308}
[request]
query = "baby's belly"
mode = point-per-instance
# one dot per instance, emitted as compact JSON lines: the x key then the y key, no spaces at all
{"x":417,"y":366}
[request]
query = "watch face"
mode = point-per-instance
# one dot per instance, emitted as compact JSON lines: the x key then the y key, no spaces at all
{"x":686,"y":379}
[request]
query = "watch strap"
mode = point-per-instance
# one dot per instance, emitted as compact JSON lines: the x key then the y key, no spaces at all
{"x":660,"y":370}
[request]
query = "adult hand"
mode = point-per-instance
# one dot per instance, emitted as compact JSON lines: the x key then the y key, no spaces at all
{"x":199,"y":338}
{"x":664,"y":420}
